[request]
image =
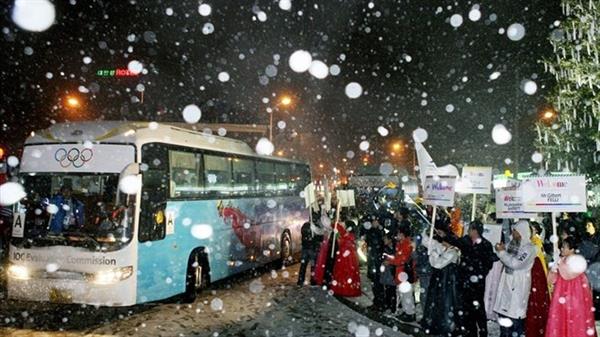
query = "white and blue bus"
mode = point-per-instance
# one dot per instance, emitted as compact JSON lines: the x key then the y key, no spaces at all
{"x":120,"y":213}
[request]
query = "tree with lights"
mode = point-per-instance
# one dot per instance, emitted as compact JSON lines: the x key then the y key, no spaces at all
{"x":569,"y":137}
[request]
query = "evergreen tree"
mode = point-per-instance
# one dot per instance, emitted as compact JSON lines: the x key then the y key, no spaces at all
{"x":569,"y":136}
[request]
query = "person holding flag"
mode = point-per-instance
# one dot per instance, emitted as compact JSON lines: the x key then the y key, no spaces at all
{"x":337,"y":265}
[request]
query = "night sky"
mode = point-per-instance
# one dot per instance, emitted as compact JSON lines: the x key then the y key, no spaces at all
{"x":411,"y":63}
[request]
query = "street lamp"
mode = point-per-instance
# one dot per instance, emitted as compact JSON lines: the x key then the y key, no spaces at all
{"x":72,"y":102}
{"x":284,"y":101}
{"x":548,"y":114}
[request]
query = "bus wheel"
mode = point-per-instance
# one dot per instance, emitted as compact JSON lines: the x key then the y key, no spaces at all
{"x":197,"y":277}
{"x":286,"y":249}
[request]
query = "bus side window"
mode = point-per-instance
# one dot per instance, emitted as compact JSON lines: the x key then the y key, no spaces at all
{"x":217,"y":174}
{"x":265,"y":177}
{"x":184,"y":169}
{"x":283,"y":178}
{"x":243,"y":176}
{"x":155,"y":184}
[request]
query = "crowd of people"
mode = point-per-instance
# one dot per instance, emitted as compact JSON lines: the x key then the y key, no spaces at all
{"x":458,"y":278}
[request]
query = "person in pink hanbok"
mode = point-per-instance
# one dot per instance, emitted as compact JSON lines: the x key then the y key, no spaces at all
{"x":571,"y":311}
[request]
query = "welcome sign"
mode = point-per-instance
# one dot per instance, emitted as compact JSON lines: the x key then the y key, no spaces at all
{"x":476,"y":179}
{"x":509,"y":202}
{"x":555,"y":194}
{"x":439,"y":191}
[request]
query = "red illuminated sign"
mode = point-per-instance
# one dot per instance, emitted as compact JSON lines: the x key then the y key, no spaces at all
{"x":115,"y":73}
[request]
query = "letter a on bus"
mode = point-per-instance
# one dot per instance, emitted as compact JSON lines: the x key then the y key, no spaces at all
{"x":17,"y":230}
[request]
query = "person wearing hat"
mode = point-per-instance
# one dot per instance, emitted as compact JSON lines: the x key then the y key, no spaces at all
{"x":477,"y":257}
{"x":515,"y":283}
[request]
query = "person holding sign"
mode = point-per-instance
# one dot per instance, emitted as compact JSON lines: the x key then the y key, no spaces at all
{"x":440,"y":314}
{"x":515,"y":282}
{"x":571,"y":313}
{"x":340,"y":272}
{"x":477,"y":257}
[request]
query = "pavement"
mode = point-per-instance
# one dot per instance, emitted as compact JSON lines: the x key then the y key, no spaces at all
{"x":266,"y":303}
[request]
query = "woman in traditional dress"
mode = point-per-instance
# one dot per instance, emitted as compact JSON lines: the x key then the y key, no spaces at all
{"x":442,"y":306}
{"x":571,"y":311}
{"x":340,"y":273}
{"x":539,"y":300}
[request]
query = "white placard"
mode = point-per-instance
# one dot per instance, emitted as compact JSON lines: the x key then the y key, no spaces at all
{"x":96,"y":158}
{"x":509,"y":203}
{"x":493,"y":233}
{"x":18,"y":225}
{"x":346,"y":198}
{"x":309,"y":195}
{"x":475,"y":179}
{"x":439,"y":191}
{"x":555,"y":194}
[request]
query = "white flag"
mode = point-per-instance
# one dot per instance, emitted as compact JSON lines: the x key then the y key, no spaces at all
{"x":426,"y":165}
{"x":428,"y":168}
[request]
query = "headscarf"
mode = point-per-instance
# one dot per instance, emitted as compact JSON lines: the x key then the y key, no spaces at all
{"x":522,"y":226}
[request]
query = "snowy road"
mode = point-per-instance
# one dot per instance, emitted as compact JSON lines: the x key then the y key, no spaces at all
{"x":266,"y":305}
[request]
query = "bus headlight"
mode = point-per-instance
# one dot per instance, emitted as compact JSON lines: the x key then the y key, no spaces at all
{"x":110,"y":276}
{"x":18,"y":272}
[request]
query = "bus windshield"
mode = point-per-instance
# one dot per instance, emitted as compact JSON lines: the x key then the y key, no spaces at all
{"x":85,"y":210}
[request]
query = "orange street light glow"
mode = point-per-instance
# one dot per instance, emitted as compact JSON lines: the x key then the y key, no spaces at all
{"x":548,"y":114}
{"x":72,"y":102}
{"x":286,"y":100}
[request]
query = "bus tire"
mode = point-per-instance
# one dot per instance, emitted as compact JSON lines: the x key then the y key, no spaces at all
{"x":285,"y":250}
{"x":197,"y":276}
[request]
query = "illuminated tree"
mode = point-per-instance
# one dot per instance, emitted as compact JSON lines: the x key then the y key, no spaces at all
{"x":570,"y":138}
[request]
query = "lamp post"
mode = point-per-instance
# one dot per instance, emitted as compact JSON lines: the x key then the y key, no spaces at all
{"x":284,"y":101}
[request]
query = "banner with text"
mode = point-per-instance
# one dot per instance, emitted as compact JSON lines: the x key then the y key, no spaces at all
{"x":509,"y":202}
{"x":475,"y":179}
{"x":439,"y":191}
{"x":555,"y":194}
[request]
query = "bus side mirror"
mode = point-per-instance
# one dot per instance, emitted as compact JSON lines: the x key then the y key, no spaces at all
{"x":132,"y":169}
{"x":129,"y":180}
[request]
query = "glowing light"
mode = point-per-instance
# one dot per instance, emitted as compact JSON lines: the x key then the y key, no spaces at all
{"x":72,"y":102}
{"x":285,"y":100}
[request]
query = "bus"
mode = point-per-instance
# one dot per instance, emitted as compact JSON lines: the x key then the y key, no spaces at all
{"x":121,"y":213}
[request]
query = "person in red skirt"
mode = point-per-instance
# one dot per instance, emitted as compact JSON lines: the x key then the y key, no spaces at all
{"x":340,"y":273}
{"x":571,"y":310}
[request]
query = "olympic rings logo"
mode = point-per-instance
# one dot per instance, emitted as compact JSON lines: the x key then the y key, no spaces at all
{"x":73,"y":157}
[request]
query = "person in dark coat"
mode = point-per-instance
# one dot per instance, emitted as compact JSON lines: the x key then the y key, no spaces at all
{"x":318,"y":234}
{"x":477,"y":257}
{"x":441,"y":311}
{"x":372,"y":233}
{"x":388,"y":274}
{"x":401,"y":220}
{"x":308,"y":253}
{"x":422,"y":268}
